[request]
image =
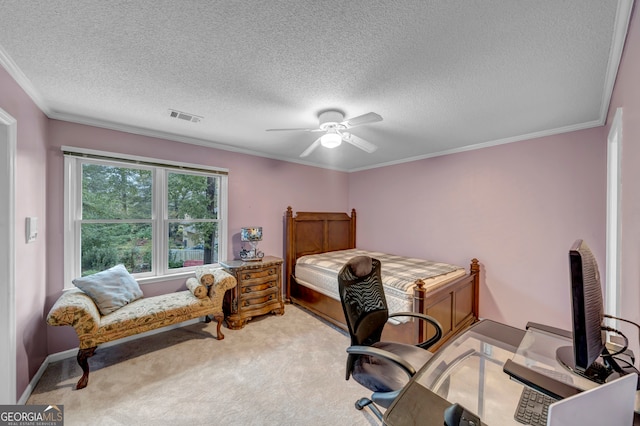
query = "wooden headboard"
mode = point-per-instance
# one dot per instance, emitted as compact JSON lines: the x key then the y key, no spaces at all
{"x":315,"y":232}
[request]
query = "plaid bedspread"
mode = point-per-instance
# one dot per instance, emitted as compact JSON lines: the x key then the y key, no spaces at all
{"x":397,"y":271}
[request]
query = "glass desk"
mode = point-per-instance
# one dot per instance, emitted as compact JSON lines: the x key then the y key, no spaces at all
{"x":469,"y":370}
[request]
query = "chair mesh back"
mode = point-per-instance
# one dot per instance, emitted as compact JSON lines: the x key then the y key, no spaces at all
{"x":364,"y":304}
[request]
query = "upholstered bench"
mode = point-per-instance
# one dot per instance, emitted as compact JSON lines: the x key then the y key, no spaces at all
{"x":76,"y":308}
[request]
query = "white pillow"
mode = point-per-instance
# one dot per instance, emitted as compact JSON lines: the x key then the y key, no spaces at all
{"x":110,"y":289}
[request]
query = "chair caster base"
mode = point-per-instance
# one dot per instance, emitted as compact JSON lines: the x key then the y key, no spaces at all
{"x":362,"y":402}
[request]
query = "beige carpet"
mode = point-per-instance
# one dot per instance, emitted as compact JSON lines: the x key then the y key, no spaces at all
{"x":278,"y":370}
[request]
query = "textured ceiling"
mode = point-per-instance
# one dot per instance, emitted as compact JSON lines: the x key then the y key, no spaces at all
{"x":446,"y":76}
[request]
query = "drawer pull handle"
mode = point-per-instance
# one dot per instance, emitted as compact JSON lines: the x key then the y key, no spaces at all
{"x":247,"y":276}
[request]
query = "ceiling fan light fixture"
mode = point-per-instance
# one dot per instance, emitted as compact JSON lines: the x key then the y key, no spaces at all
{"x":331,"y":139}
{"x":336,"y":130}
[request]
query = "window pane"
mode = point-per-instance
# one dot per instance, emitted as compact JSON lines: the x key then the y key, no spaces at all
{"x":110,"y":192}
{"x":193,"y":196}
{"x":192,"y":244}
{"x":106,"y":244}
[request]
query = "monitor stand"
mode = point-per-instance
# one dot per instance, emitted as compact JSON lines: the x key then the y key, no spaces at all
{"x":596,"y":372}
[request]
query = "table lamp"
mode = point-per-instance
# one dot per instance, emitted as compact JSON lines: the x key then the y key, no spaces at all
{"x":251,"y":235}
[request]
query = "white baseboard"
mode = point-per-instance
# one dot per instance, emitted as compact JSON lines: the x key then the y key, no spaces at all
{"x":59,"y":356}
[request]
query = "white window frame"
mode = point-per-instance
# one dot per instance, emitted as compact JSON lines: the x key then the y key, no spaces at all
{"x":75,"y":157}
{"x":614,"y":185}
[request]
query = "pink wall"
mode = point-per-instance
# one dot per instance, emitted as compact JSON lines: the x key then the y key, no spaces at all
{"x":627,"y":96}
{"x":260,"y":190}
{"x":516,"y":207}
{"x":30,"y":267}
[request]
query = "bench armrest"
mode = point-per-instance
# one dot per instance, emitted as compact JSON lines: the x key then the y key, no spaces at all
{"x":217,"y":280}
{"x":76,"y":309}
{"x":223,"y":281}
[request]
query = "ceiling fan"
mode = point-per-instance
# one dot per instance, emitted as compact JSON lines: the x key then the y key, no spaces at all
{"x":335,"y":127}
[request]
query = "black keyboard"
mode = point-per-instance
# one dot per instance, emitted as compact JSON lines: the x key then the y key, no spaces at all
{"x":533,"y":407}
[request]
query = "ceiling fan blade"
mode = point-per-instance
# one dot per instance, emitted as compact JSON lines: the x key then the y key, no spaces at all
{"x":299,"y":130}
{"x":370,"y":117}
{"x":311,"y":148}
{"x":359,"y":142}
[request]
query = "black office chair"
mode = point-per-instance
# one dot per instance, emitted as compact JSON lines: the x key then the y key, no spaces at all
{"x":382,"y":367}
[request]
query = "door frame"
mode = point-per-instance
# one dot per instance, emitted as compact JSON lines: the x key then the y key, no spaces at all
{"x":8,"y":367}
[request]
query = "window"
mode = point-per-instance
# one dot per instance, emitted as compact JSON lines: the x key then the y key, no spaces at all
{"x":192,"y":219}
{"x":159,"y":220}
{"x":115,"y":220}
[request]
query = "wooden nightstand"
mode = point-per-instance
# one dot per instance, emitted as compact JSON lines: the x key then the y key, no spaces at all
{"x":257,"y":292}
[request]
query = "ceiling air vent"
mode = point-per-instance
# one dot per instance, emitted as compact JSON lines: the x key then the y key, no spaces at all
{"x":184,"y":116}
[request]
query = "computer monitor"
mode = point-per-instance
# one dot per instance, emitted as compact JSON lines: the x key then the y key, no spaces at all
{"x":587,"y":315}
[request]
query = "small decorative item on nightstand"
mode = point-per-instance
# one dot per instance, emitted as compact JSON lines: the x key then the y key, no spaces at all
{"x":258,"y":290}
{"x":251,"y":235}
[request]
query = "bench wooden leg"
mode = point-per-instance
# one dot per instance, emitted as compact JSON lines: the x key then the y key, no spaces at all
{"x":83,"y":359}
{"x":219,"y":318}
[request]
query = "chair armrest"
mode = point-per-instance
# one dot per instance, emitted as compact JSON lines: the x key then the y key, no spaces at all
{"x":429,"y":342}
{"x":76,"y":309}
{"x":379,"y":353}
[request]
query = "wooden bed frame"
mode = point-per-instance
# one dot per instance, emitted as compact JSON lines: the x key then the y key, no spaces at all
{"x":454,"y":305}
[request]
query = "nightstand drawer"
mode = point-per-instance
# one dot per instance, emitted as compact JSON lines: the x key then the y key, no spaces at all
{"x":258,"y":299}
{"x":257,"y":281}
{"x":250,"y":288}
{"x":260,"y":273}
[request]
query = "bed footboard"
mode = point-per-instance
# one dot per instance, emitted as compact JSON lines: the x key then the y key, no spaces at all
{"x":455,"y":305}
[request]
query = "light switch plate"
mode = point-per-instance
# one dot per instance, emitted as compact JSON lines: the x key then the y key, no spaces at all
{"x":31,"y":229}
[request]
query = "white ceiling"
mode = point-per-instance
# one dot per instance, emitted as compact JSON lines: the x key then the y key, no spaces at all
{"x":446,"y":76}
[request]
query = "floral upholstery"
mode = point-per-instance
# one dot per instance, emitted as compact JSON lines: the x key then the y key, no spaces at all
{"x":196,"y":288}
{"x":224,"y":280}
{"x":78,"y":310}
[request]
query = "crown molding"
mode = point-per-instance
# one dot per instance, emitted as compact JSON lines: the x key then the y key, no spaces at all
{"x":22,"y":80}
{"x":159,"y":134}
{"x":621,"y":27}
{"x":528,"y":136}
